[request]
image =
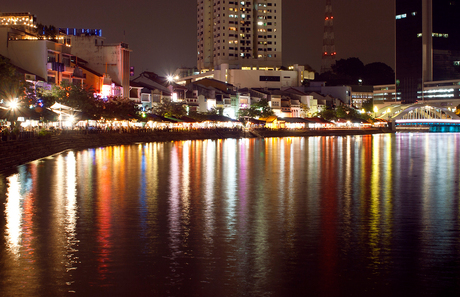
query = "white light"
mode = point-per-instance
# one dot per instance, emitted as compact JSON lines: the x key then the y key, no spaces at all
{"x":13,"y":104}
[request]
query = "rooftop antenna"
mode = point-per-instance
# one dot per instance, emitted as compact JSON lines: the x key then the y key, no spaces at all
{"x":329,"y":53}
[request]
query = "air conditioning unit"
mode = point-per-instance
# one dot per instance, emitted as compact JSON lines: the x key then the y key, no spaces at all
{"x":30,"y":77}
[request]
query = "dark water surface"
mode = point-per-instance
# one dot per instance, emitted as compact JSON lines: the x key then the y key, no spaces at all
{"x":321,"y":216}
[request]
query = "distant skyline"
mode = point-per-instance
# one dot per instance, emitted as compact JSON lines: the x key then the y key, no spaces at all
{"x":162,"y":34}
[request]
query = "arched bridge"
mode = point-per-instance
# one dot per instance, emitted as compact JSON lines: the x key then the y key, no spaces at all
{"x":430,"y":116}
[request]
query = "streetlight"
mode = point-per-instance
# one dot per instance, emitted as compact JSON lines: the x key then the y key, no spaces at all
{"x":13,"y":104}
{"x":375,"y":110}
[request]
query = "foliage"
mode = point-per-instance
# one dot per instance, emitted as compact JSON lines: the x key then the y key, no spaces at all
{"x":457,"y":110}
{"x":251,"y":112}
{"x":12,"y":84}
{"x":350,"y":71}
{"x":352,"y":68}
{"x":74,"y":96}
{"x":203,"y":116}
{"x":378,"y":74}
{"x":368,"y":105}
{"x":264,"y":107}
{"x":328,"y":114}
{"x":44,"y":133}
{"x":167,"y":108}
{"x":306,"y":111}
{"x":258,"y":109}
{"x":81,"y":99}
{"x":48,"y":32}
{"x":346,"y":112}
{"x":118,"y":108}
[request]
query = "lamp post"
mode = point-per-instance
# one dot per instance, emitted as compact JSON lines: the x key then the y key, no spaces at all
{"x":13,"y":105}
{"x":375,"y":111}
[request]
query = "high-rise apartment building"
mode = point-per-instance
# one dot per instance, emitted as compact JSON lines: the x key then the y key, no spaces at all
{"x":427,"y":46}
{"x":242,"y":34}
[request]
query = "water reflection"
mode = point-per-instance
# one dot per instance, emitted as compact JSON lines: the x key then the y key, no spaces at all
{"x":13,"y":215}
{"x":238,"y":217}
{"x":71,"y":217}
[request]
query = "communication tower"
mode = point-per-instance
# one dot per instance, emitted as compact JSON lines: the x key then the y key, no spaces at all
{"x":329,"y":53}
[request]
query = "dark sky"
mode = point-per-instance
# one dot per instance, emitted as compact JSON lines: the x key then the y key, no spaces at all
{"x":161,"y":34}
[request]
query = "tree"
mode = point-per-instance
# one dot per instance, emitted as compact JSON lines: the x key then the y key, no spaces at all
{"x":74,"y":96}
{"x":264,"y":107}
{"x":48,"y":32}
{"x":12,"y":84}
{"x":119,"y":108}
{"x":167,"y":108}
{"x":378,"y":73}
{"x":306,"y":111}
{"x":328,"y":114}
{"x":251,"y":112}
{"x":352,"y":69}
{"x":257,"y":109}
{"x":346,"y":112}
{"x":81,"y":99}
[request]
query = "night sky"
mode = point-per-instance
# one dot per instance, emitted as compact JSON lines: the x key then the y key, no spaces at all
{"x":162,"y":34}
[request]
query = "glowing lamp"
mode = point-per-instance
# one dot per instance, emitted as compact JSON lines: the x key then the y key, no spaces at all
{"x":13,"y":104}
{"x":106,"y":90}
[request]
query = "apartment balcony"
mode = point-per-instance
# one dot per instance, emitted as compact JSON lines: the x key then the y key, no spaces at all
{"x":145,"y":98}
{"x":191,"y":100}
{"x":68,"y":69}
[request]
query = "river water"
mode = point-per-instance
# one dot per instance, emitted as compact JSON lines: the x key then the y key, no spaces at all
{"x":375,"y":215}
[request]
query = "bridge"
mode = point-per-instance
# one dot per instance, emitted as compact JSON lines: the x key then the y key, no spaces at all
{"x":421,"y":116}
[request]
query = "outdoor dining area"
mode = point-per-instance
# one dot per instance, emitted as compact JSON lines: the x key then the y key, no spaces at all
{"x":21,"y":123}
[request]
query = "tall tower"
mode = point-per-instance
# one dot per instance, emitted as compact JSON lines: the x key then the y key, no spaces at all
{"x":329,"y":53}
{"x":239,"y":34}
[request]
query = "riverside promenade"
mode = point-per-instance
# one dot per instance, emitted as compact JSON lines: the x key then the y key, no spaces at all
{"x":28,"y":147}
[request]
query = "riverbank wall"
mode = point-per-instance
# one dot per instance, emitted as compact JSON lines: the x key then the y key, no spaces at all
{"x":20,"y":151}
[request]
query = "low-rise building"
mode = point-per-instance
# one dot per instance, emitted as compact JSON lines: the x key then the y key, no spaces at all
{"x":109,"y":59}
{"x":252,"y":78}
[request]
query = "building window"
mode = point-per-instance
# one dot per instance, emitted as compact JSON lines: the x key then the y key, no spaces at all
{"x":269,"y":78}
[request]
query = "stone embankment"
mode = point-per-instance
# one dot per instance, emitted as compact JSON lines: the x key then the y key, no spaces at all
{"x":20,"y":151}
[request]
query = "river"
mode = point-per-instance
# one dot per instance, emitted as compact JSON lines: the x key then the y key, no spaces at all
{"x":372,"y":215}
